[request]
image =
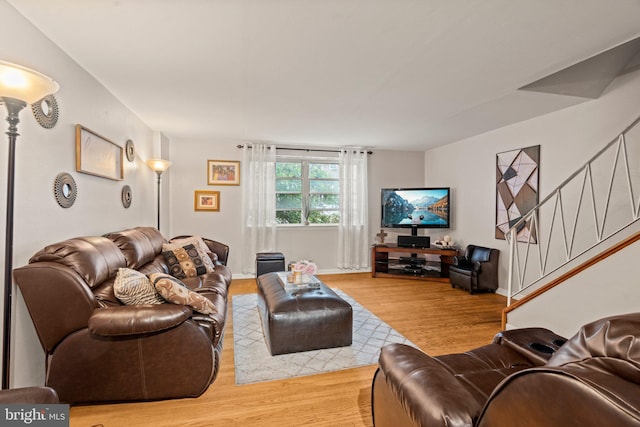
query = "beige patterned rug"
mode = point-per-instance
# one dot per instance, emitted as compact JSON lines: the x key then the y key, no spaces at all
{"x":254,"y":363}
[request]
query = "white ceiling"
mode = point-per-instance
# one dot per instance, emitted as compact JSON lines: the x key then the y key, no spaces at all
{"x":395,"y":74}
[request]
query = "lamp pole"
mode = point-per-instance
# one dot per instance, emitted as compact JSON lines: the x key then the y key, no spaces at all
{"x":13,"y":108}
{"x":19,"y":86}
{"x":158,"y":166}
{"x":159,"y":175}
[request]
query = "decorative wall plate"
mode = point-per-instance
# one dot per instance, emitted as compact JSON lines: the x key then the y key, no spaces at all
{"x":126,"y":196}
{"x":46,"y":111}
{"x":130,"y":150}
{"x":65,"y":190}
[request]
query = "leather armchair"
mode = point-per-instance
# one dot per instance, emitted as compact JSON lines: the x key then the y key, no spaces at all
{"x":526,"y":377}
{"x":476,"y":270}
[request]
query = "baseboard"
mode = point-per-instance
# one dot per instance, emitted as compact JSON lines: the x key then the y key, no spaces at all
{"x":243,"y":276}
{"x":324,"y":271}
{"x":502,"y":292}
{"x":343,"y":271}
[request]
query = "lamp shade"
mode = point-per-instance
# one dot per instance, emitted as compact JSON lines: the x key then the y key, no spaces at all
{"x":24,"y":84}
{"x":158,"y":165}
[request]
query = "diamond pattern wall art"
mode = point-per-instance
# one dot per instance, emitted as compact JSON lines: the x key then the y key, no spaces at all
{"x":516,"y":190}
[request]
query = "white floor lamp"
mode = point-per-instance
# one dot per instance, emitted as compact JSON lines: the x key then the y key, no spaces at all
{"x":158,"y":166}
{"x":19,"y":86}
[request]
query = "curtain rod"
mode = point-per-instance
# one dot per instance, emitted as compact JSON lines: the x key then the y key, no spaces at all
{"x":303,"y":149}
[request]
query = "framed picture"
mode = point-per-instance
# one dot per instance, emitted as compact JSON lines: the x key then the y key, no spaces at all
{"x":207,"y":201}
{"x":96,"y":155}
{"x":222,"y":172}
{"x":517,"y":176}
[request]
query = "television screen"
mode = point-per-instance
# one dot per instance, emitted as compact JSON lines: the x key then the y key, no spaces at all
{"x":415,"y":208}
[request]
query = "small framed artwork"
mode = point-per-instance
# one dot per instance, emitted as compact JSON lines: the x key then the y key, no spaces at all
{"x":96,"y":155}
{"x":223,"y":172}
{"x":207,"y":200}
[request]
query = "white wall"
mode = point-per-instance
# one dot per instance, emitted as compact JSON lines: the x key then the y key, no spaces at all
{"x":318,"y":243}
{"x":608,"y":287}
{"x":43,"y":153}
{"x":568,"y":138}
{"x":189,"y":173}
{"x":392,"y":169}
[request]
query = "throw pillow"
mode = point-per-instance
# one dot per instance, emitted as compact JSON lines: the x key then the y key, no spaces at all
{"x":132,"y":288}
{"x":185,"y":262}
{"x":201,"y":247}
{"x":174,"y":291}
{"x":192,"y":240}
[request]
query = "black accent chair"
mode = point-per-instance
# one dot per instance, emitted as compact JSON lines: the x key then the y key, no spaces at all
{"x":476,"y":270}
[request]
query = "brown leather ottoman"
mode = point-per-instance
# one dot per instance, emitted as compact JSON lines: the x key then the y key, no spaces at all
{"x":302,"y":319}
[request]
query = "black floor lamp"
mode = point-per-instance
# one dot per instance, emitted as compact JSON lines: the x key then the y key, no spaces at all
{"x":158,"y":166}
{"x":19,"y":87}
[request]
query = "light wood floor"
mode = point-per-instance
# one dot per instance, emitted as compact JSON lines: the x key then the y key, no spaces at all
{"x":434,"y":316}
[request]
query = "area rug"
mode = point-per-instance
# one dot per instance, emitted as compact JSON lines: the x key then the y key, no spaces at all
{"x":254,"y":363}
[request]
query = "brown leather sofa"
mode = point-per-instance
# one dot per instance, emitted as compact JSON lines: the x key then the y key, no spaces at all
{"x":524,"y":378}
{"x":99,"y":350}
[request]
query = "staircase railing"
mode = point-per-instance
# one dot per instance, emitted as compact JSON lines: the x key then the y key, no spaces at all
{"x":596,"y":202}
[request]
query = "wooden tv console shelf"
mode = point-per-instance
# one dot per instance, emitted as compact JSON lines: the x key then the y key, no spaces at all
{"x":411,"y":263}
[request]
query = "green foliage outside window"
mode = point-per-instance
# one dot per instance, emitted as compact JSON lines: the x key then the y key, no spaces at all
{"x":307,"y":187}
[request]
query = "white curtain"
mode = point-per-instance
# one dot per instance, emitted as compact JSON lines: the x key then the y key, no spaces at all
{"x":258,"y":203}
{"x":353,"y":233}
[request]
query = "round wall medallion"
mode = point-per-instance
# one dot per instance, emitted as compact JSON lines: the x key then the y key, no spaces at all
{"x":46,"y":111}
{"x":130,"y":150}
{"x":126,"y":196}
{"x":65,"y":190}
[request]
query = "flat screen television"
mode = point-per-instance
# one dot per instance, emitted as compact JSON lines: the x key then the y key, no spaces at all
{"x":416,"y":208}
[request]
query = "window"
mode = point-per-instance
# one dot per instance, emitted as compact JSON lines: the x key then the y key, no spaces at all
{"x":307,"y":191}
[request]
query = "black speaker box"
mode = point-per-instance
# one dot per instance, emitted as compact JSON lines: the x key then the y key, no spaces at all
{"x":422,"y":242}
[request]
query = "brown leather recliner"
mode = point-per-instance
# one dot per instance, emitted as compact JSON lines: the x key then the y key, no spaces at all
{"x":99,"y":350}
{"x":525,"y":378}
{"x":476,"y":270}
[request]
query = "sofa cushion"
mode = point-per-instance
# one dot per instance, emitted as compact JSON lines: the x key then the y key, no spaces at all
{"x":174,"y":291}
{"x":95,"y":259}
{"x":184,"y":262}
{"x":480,"y":254}
{"x":205,"y":253}
{"x":133,"y":288}
{"x":139,"y":245}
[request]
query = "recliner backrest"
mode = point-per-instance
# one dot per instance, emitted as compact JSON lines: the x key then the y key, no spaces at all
{"x":139,"y":245}
{"x":94,"y":258}
{"x":611,"y":345}
{"x":480,"y":254}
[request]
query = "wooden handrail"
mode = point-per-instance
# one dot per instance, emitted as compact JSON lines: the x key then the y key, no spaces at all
{"x":604,"y":254}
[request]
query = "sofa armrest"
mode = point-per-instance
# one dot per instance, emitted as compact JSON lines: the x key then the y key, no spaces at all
{"x":430,"y":394}
{"x":137,"y":319}
{"x":220,"y":249}
{"x":535,"y":344}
